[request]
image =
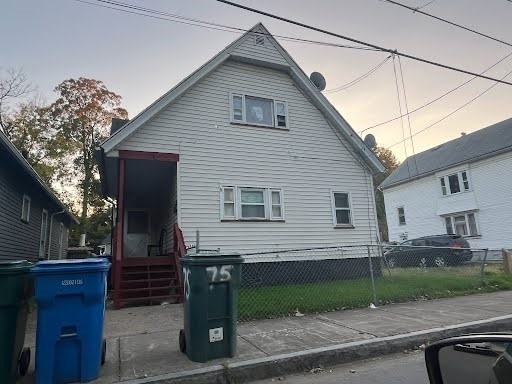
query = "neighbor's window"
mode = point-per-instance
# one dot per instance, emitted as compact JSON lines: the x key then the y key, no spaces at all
{"x":454,"y":183}
{"x":463,"y":224}
{"x":342,"y":215}
{"x":259,"y":111}
{"x":25,"y":209}
{"x":401,"y":216}
{"x":252,"y":203}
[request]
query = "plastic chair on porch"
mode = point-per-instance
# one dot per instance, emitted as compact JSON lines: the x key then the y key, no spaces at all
{"x":160,"y":246}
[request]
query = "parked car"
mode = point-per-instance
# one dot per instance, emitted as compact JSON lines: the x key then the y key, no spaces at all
{"x":436,"y":251}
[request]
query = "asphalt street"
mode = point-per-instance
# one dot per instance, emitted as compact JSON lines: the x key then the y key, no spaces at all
{"x":393,"y":369}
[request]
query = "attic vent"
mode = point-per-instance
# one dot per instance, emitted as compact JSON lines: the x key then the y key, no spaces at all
{"x":259,"y":40}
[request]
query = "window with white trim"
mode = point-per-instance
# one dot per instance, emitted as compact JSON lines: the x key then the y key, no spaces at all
{"x":262,"y":111}
{"x":454,"y":183}
{"x":341,"y":207}
{"x":401,"y":216}
{"x":25,"y":209}
{"x":252,"y":203}
{"x":463,"y":224}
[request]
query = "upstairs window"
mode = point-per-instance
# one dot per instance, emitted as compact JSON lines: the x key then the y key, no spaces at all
{"x":252,"y":203}
{"x":25,"y":209}
{"x":454,"y":183}
{"x":341,"y":207}
{"x":401,"y":216}
{"x":254,"y":110}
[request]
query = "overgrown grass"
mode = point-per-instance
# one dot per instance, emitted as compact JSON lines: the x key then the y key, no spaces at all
{"x":400,"y":285}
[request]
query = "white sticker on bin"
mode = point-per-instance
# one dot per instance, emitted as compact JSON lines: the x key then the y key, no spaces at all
{"x":216,"y":334}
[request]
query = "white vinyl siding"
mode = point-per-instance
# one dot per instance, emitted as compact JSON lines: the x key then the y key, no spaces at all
{"x":251,"y":203}
{"x":25,"y":209}
{"x":306,"y":163}
{"x":261,"y":111}
{"x":488,"y":198}
{"x":266,"y":51}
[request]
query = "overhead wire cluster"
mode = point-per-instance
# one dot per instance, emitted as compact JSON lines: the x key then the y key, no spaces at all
{"x":395,"y":52}
{"x":360,"y":45}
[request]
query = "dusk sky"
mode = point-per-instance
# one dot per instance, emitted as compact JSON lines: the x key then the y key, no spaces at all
{"x":141,"y":58}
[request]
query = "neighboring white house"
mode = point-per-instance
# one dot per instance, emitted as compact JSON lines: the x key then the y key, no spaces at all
{"x":262,"y":161}
{"x":463,"y":186}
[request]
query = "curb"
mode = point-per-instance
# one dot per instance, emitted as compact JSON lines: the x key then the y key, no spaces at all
{"x":285,"y":364}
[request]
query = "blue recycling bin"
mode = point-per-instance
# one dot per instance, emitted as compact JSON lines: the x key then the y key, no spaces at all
{"x":70,"y":296}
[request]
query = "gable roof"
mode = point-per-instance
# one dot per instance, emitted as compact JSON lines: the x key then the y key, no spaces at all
{"x":285,"y":63}
{"x":13,"y":152}
{"x":483,"y":143}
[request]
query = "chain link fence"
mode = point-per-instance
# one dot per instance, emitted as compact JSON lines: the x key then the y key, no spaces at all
{"x":295,"y":282}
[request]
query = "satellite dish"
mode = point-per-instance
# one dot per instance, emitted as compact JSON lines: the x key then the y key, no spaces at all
{"x":370,"y":141}
{"x":318,"y":79}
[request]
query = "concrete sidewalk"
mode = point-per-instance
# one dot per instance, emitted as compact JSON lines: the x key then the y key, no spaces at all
{"x":143,"y":342}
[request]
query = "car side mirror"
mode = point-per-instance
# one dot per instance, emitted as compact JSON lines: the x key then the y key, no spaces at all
{"x":477,"y":359}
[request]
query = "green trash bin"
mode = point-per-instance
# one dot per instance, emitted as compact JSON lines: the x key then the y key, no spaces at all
{"x":16,"y":289}
{"x":210,"y":284}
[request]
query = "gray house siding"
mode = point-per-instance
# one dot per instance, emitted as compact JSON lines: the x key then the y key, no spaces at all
{"x":20,"y":239}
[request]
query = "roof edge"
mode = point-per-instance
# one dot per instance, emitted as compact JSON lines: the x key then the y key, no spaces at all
{"x":25,"y":164}
{"x":422,"y":175}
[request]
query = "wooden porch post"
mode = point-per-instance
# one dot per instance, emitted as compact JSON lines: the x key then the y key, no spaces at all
{"x":119,"y":236}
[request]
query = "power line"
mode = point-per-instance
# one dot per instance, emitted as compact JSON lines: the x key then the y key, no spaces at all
{"x":408,"y":115}
{"x":426,"y":5}
{"x":417,"y":10}
{"x":164,"y":16}
{"x":451,"y":113}
{"x":400,"y":110}
{"x":358,"y":79}
{"x":439,"y":97}
{"x":392,"y":51}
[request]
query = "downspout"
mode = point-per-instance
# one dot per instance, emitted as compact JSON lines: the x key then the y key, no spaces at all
{"x":51,"y":228}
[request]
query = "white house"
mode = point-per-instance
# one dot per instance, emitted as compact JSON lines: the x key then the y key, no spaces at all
{"x":462,"y":187}
{"x":247,"y":151}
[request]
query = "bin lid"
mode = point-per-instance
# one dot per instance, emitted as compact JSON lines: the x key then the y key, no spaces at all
{"x":14,"y":266}
{"x":71,"y":264}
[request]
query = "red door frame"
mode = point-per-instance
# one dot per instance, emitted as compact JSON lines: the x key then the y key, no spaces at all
{"x":123,"y":156}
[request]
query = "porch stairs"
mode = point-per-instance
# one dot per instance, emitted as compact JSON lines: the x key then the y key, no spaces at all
{"x":149,"y":280}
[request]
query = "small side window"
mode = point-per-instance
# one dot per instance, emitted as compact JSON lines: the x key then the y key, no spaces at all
{"x":237,"y":103}
{"x":401,"y":216}
{"x":281,"y":114}
{"x":228,"y":202}
{"x":25,"y":209}
{"x":276,"y":201}
{"x":443,"y":186}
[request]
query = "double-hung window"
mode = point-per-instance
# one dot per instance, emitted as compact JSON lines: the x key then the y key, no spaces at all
{"x":262,"y":111}
{"x":454,"y":183}
{"x":25,"y":209}
{"x":463,"y":224}
{"x":341,"y":209}
{"x":401,"y":216}
{"x":251,"y":203}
